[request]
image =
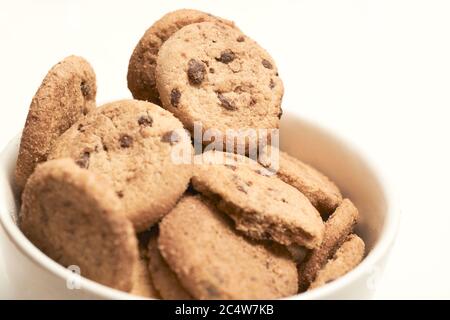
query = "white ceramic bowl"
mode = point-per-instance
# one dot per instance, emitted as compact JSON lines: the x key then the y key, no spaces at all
{"x":31,"y":274}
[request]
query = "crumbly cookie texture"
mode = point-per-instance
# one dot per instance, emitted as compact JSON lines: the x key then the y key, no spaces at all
{"x":212,"y":261}
{"x":213,"y":74}
{"x":346,"y":258}
{"x":165,"y":280}
{"x":134,"y":145}
{"x":337,"y":228}
{"x":142,"y":282}
{"x":318,"y":188}
{"x":74,"y":217}
{"x":141,"y":69}
{"x":66,"y":94}
{"x":262,"y":206}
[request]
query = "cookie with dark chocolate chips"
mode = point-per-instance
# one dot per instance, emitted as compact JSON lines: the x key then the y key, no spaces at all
{"x":74,"y":217}
{"x":213,"y":74}
{"x":262,"y":206}
{"x":66,"y":94}
{"x":141,"y":68}
{"x":134,"y":145}
{"x":213,"y":261}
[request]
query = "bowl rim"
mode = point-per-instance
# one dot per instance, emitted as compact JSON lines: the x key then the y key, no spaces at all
{"x":380,"y":249}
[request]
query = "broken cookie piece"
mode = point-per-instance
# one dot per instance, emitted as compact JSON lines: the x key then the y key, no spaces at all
{"x":262,"y":206}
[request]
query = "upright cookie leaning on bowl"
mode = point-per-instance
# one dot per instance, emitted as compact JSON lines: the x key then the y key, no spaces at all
{"x":246,"y":234}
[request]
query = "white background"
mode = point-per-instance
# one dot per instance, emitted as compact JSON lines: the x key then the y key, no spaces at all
{"x":376,"y":72}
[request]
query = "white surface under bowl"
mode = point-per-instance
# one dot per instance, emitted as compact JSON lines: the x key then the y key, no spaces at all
{"x":30,"y":274}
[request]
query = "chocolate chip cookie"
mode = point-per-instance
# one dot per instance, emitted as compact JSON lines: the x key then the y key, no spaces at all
{"x":337,"y":228}
{"x":212,"y":261}
{"x":136,"y":146}
{"x":75,"y":218}
{"x":319,"y":189}
{"x":213,"y":74}
{"x":66,"y":94}
{"x":165,"y":280}
{"x":262,"y":206}
{"x":141,"y":68}
{"x":346,"y":258}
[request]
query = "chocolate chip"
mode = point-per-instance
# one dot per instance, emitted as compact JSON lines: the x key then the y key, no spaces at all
{"x":266,"y":64}
{"x":196,"y":72}
{"x":83,"y":161}
{"x":85,"y":89}
{"x":230,"y":166}
{"x":226,"y":56}
{"x":211,"y":70}
{"x":224,"y":102}
{"x":120,"y":194}
{"x":280,"y":113}
{"x":145,"y":121}
{"x":80,"y":127}
{"x":175,"y":96}
{"x":171,"y":137}
{"x":240,"y":39}
{"x":271,"y":84}
{"x":126,"y":141}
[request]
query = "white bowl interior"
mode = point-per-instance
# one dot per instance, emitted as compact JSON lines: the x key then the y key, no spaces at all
{"x":299,"y":138}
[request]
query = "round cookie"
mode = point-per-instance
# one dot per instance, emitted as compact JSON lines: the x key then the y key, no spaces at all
{"x":318,"y":188}
{"x":65,"y":95}
{"x":135,"y":145}
{"x":337,"y":228}
{"x":346,"y":258}
{"x":74,"y":217}
{"x":212,"y":261}
{"x":213,"y":74}
{"x":262,"y":206}
{"x":141,"y":68}
{"x":165,"y":280}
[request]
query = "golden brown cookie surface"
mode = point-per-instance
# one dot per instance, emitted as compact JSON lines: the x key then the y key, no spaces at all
{"x":346,"y":258}
{"x":165,"y":280}
{"x":337,"y":228}
{"x":66,"y":94}
{"x":213,"y":74}
{"x":212,"y":261}
{"x":262,"y":206}
{"x":141,"y":68}
{"x":318,"y":188}
{"x":131,"y":143}
{"x":74,"y":217}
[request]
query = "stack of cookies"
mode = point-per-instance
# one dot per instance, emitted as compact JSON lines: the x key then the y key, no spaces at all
{"x":120,"y":191}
